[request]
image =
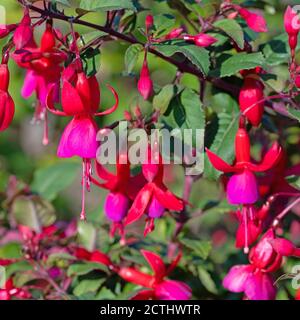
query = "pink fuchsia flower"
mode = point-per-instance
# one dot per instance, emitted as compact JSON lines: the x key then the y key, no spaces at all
{"x":173,"y":34}
{"x":5,"y":30}
{"x":93,"y":256}
{"x":255,"y":279}
{"x":255,"y":21}
{"x":7,"y":106}
{"x":201,"y":39}
{"x":23,"y":34}
{"x":122,"y":190}
{"x":43,"y":71}
{"x":145,"y":84}
{"x":80,"y":98}
{"x":157,"y":286}
{"x":154,"y":197}
{"x":292,"y":27}
{"x":10,"y":291}
{"x":242,"y":187}
{"x":251,"y":99}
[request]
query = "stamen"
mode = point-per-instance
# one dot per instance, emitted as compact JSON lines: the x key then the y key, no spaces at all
{"x":149,"y":226}
{"x":245,"y":216}
{"x":83,"y":186}
{"x":46,"y":131}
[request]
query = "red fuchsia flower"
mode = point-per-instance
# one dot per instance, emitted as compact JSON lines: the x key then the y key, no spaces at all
{"x":94,"y":256}
{"x":24,"y":32}
{"x":145,"y":84}
{"x":149,"y":23}
{"x":173,"y":34}
{"x":154,"y":198}
{"x":201,"y":39}
{"x":255,"y":21}
{"x":7,"y":106}
{"x":292,"y":27}
{"x":242,"y":187}
{"x":123,"y":189}
{"x":251,"y":99}
{"x":255,"y":279}
{"x":5,"y":30}
{"x":80,"y":98}
{"x":43,"y":71}
{"x":10,"y":291}
{"x":158,"y":287}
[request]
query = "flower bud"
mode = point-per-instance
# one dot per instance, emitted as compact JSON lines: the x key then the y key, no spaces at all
{"x":201,"y":39}
{"x":254,"y":21}
{"x":145,"y":85}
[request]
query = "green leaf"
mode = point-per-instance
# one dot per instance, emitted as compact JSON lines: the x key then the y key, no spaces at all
{"x":89,"y":285}
{"x":276,"y":51}
{"x":294,"y":113}
{"x":11,"y":250}
{"x":63,"y":2}
{"x":242,"y":61}
{"x":49,"y":181}
{"x":162,"y":23}
{"x":33,"y":211}
{"x":106,"y":5}
{"x":79,"y":269}
{"x":162,"y":100}
{"x":294,"y":181}
{"x":223,"y":143}
{"x":91,"y":61}
{"x":131,"y":56}
{"x":233,"y":30}
{"x":199,"y":247}
{"x":87,"y":235}
{"x":206,"y":280}
{"x":196,"y":55}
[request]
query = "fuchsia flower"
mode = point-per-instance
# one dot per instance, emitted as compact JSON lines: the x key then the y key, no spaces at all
{"x":145,"y":84}
{"x":43,"y":70}
{"x":10,"y":291}
{"x":173,"y":34}
{"x":123,"y":189}
{"x":94,"y":256}
{"x":80,"y":99}
{"x":292,"y":27}
{"x":242,"y":187}
{"x":24,"y":32}
{"x":255,"y":21}
{"x":7,"y":106}
{"x":255,"y":279}
{"x":201,"y":39}
{"x":251,"y":99}
{"x":157,"y":286}
{"x":154,"y":197}
{"x":5,"y":30}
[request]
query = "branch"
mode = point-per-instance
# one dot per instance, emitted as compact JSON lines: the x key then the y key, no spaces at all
{"x":182,"y":66}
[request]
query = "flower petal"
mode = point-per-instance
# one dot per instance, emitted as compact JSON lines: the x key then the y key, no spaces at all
{"x":219,"y":163}
{"x":235,"y":280}
{"x":70,"y":99}
{"x":172,"y":290}
{"x":259,"y":286}
{"x":167,"y":199}
{"x":156,"y":264}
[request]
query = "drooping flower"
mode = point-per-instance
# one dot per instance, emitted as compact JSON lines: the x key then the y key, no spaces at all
{"x":145,"y":84}
{"x":23,"y":34}
{"x":154,"y":197}
{"x":292,"y":27}
{"x":43,"y":65}
{"x":251,"y":99}
{"x":242,"y":187}
{"x":255,"y":21}
{"x":10,"y":291}
{"x":122,"y":190}
{"x":80,"y":98}
{"x":201,"y":39}
{"x":7,"y":106}
{"x":157,"y":286}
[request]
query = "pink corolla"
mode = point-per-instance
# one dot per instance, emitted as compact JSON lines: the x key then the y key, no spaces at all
{"x":80,"y":99}
{"x":123,"y":189}
{"x":255,"y":279}
{"x":157,"y":286}
{"x":201,"y":39}
{"x":242,"y":187}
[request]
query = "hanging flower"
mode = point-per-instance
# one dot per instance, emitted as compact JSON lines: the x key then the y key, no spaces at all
{"x":145,"y":84}
{"x":154,"y":197}
{"x":157,"y":286}
{"x":255,"y":21}
{"x":242,"y":187}
{"x":80,"y":98}
{"x":201,"y":39}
